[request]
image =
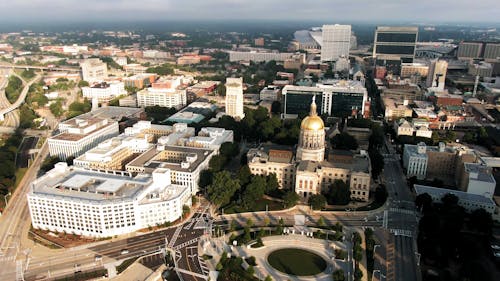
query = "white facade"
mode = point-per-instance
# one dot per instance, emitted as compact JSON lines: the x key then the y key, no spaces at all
{"x":185,"y":163}
{"x":97,"y":204}
{"x":78,"y":135}
{"x":104,"y":92}
{"x":234,"y":98}
{"x":437,"y":74}
{"x":415,"y":160}
{"x":469,"y":201}
{"x":161,"y":97}
{"x":211,"y":138}
{"x":336,"y":42}
{"x":94,"y":70}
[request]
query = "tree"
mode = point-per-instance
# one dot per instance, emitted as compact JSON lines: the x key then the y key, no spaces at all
{"x":290,"y":199}
{"x":185,"y":210}
{"x":83,"y":83}
{"x":317,"y":201}
{"x":338,"y":275}
{"x":268,"y":278}
{"x":271,"y":183}
{"x":344,"y":141}
{"x":339,"y":193}
{"x":321,"y":222}
{"x":380,"y":194}
{"x":222,"y":188}
{"x":377,"y":162}
{"x":253,"y":192}
{"x":481,"y":221}
{"x":131,"y":89}
{"x":205,"y":178}
{"x":56,"y":108}
{"x":217,"y":163}
{"x":423,"y":201}
{"x":276,"y":107}
{"x":244,"y":175}
{"x":229,"y":149}
{"x":449,"y":199}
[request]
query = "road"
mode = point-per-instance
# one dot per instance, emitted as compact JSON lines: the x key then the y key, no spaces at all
{"x":15,"y":220}
{"x":402,"y":222}
{"x":22,"y":96}
{"x":11,"y":118}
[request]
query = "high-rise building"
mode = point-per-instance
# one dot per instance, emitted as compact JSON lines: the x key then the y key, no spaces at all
{"x":437,"y":74}
{"x":336,"y":42}
{"x":336,"y":98}
{"x":94,"y":70}
{"x":492,"y":52}
{"x":469,"y":50}
{"x":393,"y":44}
{"x":234,"y":98}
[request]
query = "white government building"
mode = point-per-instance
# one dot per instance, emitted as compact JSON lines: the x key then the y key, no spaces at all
{"x":104,"y":91}
{"x":80,"y":134}
{"x":161,"y":97}
{"x":99,"y":204}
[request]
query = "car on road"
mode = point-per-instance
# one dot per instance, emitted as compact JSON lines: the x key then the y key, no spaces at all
{"x":98,"y":257}
{"x":124,"y":252}
{"x":495,"y":247}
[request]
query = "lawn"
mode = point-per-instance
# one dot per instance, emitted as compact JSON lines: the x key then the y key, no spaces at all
{"x":297,"y":262}
{"x":19,"y":175}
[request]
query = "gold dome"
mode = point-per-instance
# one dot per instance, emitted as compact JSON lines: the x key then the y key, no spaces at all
{"x":313,"y":121}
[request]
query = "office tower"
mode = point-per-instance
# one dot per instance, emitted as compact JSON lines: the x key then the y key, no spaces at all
{"x":437,"y":74}
{"x":94,"y":70}
{"x":469,"y":50}
{"x":336,"y":42}
{"x":394,"y":45}
{"x":234,"y":98}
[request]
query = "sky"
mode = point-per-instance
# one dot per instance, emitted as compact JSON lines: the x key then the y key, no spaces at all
{"x":328,"y":11}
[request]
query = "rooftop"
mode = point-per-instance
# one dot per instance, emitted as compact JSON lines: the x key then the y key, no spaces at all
{"x":440,"y":192}
{"x":183,"y":159}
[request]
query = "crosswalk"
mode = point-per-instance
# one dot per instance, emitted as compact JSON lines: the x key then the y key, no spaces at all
{"x":180,"y":246}
{"x":403,"y":211}
{"x":401,"y":232}
{"x":174,"y":237}
{"x":9,"y":258}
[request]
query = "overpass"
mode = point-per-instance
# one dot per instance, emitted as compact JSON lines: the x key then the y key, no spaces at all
{"x":37,"y":67}
{"x":21,"y":97}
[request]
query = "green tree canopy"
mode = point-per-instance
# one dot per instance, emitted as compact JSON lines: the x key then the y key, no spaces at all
{"x":344,"y":141}
{"x":222,"y":188}
{"x":290,"y":199}
{"x":317,"y":201}
{"x":339,"y":193}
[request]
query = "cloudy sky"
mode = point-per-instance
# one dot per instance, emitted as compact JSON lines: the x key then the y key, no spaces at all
{"x":440,"y":11}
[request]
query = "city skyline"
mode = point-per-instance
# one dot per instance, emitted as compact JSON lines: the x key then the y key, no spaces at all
{"x":443,"y":11}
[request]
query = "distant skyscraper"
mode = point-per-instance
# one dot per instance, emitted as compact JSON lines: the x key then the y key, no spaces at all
{"x":393,"y":44}
{"x":469,"y":50}
{"x":234,"y":98}
{"x":437,"y":74}
{"x":336,"y":42}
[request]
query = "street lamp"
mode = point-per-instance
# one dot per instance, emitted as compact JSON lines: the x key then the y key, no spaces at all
{"x":380,"y":274}
{"x":5,"y":198}
{"x":374,"y":248}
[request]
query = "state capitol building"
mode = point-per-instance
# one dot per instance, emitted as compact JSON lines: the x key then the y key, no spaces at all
{"x":313,"y":167}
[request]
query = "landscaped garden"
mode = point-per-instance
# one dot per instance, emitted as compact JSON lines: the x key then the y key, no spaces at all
{"x":297,"y":262}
